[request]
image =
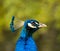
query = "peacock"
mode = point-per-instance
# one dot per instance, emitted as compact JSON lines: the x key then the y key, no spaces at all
{"x":25,"y":41}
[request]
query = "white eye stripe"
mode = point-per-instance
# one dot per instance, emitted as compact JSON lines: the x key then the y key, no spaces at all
{"x":36,"y":23}
{"x":30,"y":25}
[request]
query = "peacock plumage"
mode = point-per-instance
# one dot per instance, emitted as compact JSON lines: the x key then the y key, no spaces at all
{"x":25,"y":42}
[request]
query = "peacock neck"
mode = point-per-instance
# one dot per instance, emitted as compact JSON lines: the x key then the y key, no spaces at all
{"x":25,"y":33}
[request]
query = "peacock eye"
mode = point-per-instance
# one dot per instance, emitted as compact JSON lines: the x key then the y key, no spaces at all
{"x":33,"y":23}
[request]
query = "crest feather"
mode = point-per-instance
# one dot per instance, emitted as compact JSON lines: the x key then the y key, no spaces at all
{"x":17,"y":23}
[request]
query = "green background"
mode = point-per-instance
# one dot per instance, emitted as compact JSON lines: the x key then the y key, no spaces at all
{"x":45,"y":11}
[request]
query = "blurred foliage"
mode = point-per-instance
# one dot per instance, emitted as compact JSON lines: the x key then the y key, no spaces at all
{"x":46,"y":11}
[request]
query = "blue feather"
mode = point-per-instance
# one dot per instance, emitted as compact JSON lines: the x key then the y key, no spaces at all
{"x":25,"y":42}
{"x":12,"y":24}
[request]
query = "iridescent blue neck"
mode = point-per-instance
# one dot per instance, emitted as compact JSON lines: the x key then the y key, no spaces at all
{"x":25,"y":33}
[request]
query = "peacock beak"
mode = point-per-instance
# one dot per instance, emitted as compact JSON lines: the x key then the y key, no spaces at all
{"x":42,"y":25}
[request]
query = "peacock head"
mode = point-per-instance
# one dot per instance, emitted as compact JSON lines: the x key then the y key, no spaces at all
{"x":33,"y":25}
{"x":29,"y":25}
